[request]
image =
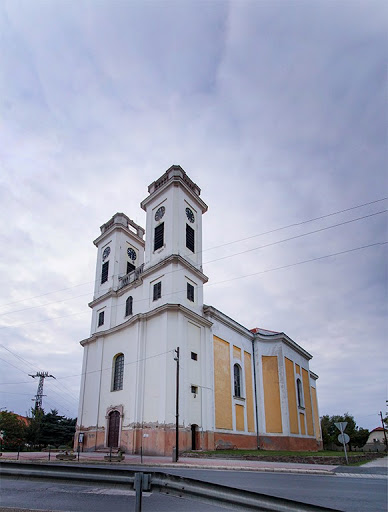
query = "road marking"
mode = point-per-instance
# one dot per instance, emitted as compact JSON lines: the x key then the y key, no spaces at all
{"x":358,"y":475}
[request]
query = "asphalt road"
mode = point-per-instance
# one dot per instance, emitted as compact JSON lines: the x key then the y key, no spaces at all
{"x":353,"y":493}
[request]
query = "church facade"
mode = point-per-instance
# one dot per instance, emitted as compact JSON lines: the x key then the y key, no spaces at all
{"x":238,"y":387}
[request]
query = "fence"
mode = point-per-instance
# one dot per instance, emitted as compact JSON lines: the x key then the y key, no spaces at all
{"x":215,"y":494}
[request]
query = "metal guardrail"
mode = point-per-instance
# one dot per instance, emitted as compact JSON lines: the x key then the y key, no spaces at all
{"x":215,"y":494}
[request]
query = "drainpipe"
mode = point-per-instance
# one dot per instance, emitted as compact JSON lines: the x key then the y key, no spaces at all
{"x":256,"y":405}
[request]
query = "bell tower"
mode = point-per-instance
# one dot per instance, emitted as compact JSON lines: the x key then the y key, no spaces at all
{"x":120,"y":251}
{"x":174,"y":218}
{"x":174,"y":236}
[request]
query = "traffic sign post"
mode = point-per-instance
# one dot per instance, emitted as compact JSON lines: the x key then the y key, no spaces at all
{"x":342,"y":437}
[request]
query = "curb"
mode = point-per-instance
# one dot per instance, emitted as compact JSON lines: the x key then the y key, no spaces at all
{"x":248,"y":468}
{"x":310,"y":471}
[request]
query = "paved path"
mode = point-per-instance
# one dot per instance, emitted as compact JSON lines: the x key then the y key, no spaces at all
{"x":377,"y":463}
{"x":378,"y":466}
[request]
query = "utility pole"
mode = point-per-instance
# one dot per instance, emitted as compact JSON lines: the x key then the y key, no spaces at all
{"x":39,"y":394}
{"x":176,"y":358}
{"x":384,"y":430}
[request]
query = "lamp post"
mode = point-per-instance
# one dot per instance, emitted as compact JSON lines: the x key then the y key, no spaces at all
{"x":176,"y":358}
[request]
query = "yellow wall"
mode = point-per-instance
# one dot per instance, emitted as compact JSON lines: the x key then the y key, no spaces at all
{"x":222,"y":386}
{"x":307,"y":402}
{"x":297,"y":367}
{"x":236,"y":352}
{"x":249,"y":392}
{"x":239,"y":417}
{"x":315,"y":412}
{"x":302,"y":425}
{"x":273,"y":415}
{"x":292,"y":409}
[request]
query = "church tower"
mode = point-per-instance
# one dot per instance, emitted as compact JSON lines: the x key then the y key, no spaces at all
{"x":173,"y":246}
{"x":120,"y":252}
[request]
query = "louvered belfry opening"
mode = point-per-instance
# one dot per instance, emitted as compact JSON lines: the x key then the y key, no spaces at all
{"x":159,"y":236}
{"x":190,"y":238}
{"x":105,"y":271}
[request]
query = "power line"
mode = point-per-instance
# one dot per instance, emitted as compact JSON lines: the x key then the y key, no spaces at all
{"x":14,"y":383}
{"x":207,"y":284}
{"x":220,"y":258}
{"x":208,"y":249}
{"x":39,"y":394}
{"x":43,"y":305}
{"x":109,"y":368}
{"x":299,"y":263}
{"x":31,"y":365}
{"x":295,"y":237}
{"x":297,"y":224}
{"x":44,"y":294}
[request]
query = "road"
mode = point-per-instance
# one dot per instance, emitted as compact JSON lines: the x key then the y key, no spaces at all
{"x":353,"y":493}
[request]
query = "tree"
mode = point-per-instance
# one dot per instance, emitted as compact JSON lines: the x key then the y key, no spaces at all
{"x":57,"y":430}
{"x":50,"y":429}
{"x":358,"y":436}
{"x":33,"y":431}
{"x":13,"y":430}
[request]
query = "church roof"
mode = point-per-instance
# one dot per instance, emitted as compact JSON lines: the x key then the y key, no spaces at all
{"x":264,"y":332}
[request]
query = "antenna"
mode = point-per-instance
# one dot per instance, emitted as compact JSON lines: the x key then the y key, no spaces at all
{"x":39,"y":394}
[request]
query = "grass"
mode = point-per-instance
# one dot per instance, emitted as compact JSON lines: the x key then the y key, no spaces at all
{"x":281,"y":453}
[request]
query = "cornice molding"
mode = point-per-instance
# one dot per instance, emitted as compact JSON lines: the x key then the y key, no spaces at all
{"x":226,"y":320}
{"x":283,"y":338}
{"x":175,"y":175}
{"x":277,"y":337}
{"x":118,"y":227}
{"x":145,"y":316}
{"x":173,"y":258}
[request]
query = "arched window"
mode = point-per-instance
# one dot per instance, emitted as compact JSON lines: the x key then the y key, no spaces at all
{"x":118,"y":372}
{"x":237,"y":380}
{"x":300,"y":392}
{"x":128,"y":306}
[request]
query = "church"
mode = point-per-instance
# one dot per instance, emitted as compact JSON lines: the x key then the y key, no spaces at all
{"x":152,"y":335}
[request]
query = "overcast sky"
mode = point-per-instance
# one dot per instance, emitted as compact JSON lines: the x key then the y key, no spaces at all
{"x":276,"y":109}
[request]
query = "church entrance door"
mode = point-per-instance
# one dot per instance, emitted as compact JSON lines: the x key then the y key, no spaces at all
{"x":113,"y":429}
{"x":194,"y":437}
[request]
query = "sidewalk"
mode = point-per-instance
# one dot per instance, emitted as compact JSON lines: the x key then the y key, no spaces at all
{"x":374,"y":467}
{"x":184,"y":462}
{"x":378,"y":466}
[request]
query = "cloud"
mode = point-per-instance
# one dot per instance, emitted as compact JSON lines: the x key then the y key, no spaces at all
{"x":276,"y":110}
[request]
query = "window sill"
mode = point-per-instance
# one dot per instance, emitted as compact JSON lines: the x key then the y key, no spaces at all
{"x":241,"y":398}
{"x":160,"y":249}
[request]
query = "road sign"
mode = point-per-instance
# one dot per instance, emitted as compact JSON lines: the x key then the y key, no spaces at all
{"x":343,"y":438}
{"x":341,"y":426}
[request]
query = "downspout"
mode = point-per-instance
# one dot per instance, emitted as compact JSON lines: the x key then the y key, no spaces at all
{"x":256,"y":405}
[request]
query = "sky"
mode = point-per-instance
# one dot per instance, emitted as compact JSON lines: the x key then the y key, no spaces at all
{"x":276,"y":109}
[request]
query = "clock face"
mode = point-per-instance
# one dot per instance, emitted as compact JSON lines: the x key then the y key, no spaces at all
{"x":159,"y":213}
{"x":106,"y":253}
{"x":131,"y":253}
{"x":190,"y":215}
